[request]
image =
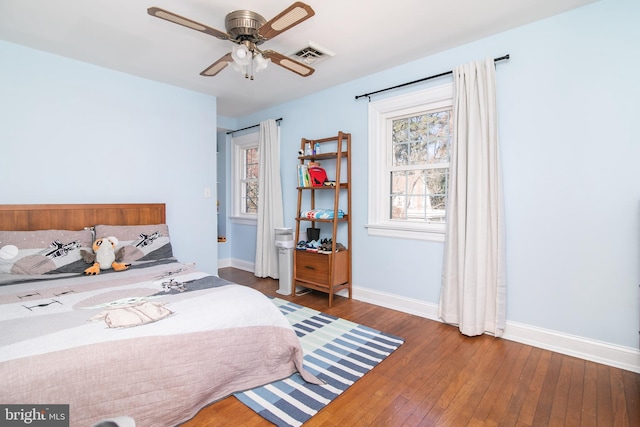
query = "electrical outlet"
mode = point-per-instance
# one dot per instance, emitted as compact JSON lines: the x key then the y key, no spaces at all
{"x":207,"y":192}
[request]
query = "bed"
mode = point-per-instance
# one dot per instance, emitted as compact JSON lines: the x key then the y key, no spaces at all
{"x":155,"y":342}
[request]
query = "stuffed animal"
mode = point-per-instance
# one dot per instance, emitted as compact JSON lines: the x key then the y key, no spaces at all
{"x":104,"y":256}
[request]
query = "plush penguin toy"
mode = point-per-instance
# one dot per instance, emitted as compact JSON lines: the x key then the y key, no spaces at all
{"x":104,"y":256}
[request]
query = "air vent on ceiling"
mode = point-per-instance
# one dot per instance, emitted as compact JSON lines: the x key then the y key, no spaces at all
{"x":311,"y":54}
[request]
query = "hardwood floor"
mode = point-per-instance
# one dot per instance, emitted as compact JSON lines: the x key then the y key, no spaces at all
{"x":439,"y":377}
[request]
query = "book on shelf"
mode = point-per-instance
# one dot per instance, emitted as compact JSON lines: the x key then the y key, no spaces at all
{"x":304,"y":179}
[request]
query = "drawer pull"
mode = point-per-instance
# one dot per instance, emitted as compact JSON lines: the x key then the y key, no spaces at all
{"x":309,"y":267}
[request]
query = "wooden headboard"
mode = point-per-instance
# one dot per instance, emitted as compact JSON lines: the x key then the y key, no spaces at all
{"x":76,"y":217}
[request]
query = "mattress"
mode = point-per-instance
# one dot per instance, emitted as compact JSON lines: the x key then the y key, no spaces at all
{"x":156,"y":342}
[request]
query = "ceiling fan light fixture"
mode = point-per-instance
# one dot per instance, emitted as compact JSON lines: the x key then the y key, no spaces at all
{"x":242,"y":69}
{"x":241,"y":54}
{"x":260,"y":62}
{"x":247,"y":59}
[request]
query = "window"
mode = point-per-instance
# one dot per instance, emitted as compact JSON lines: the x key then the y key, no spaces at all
{"x":245,"y":178}
{"x":410,"y":150}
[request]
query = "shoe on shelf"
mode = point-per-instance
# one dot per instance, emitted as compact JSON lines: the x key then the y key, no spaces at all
{"x":312,"y":246}
{"x":326,"y":248}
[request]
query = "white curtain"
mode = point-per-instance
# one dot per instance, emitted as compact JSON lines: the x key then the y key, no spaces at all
{"x":270,"y":210}
{"x":473,"y":294}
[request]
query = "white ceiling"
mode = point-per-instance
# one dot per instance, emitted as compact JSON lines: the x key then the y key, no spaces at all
{"x":366,"y":36}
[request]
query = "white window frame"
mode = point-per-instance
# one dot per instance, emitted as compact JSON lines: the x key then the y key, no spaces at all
{"x":380,"y":113}
{"x":239,"y":144}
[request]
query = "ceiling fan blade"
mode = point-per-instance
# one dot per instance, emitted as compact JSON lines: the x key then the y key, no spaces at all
{"x":217,"y":66}
{"x":293,"y":15}
{"x":288,"y":63}
{"x":177,"y":19}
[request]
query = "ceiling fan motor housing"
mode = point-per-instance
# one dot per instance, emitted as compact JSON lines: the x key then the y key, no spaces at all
{"x":243,"y":25}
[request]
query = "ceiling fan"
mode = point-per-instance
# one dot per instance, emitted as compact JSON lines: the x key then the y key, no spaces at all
{"x":248,"y":30}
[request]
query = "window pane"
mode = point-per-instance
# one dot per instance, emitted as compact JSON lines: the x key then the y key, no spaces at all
{"x":399,"y":183}
{"x":400,"y":154}
{"x":437,"y":181}
{"x":439,"y":137}
{"x":251,"y":163}
{"x":438,"y":151}
{"x":249,"y":181}
{"x":421,"y":139}
{"x":399,"y":139}
{"x":440,"y":124}
{"x":400,"y":131}
{"x":419,"y":194}
{"x":251,"y":199}
{"x":418,"y":152}
{"x":418,"y":128}
{"x":398,"y":207}
{"x":408,"y":194}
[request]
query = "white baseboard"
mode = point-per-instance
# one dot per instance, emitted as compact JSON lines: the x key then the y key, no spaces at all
{"x":584,"y":348}
{"x":222,"y":263}
{"x":396,"y":302}
{"x":236,"y":263}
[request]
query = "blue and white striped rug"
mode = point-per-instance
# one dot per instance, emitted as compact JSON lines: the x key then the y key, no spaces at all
{"x":335,"y":350}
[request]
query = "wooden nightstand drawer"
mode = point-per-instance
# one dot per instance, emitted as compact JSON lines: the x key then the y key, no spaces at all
{"x":314,"y":267}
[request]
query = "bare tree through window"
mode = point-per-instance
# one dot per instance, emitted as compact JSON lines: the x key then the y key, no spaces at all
{"x":250,"y":181}
{"x":421,"y":150}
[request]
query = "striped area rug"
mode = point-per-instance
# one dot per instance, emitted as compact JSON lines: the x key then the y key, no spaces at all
{"x":335,"y":350}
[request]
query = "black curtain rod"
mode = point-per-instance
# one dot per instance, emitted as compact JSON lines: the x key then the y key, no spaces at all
{"x":249,"y":127}
{"x":367,"y":95}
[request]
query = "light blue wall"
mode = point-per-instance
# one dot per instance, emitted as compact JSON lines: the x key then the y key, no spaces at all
{"x":224,"y":248}
{"x":71,"y":132}
{"x":240,"y":247}
{"x":568,"y":101}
